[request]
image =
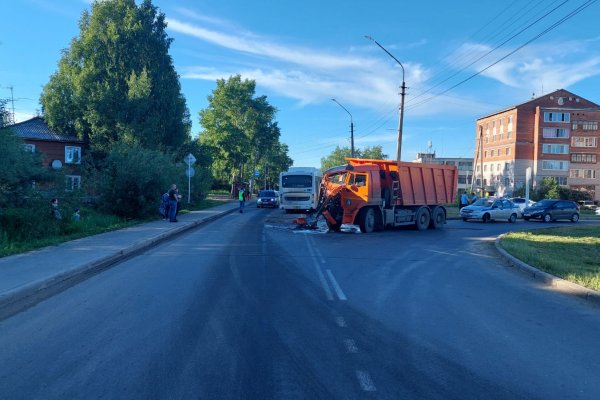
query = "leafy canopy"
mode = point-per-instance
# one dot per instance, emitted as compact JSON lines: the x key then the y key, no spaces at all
{"x":339,"y":154}
{"x":116,"y":82}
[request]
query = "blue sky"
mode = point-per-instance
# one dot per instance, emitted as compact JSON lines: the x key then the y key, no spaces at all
{"x":303,"y":54}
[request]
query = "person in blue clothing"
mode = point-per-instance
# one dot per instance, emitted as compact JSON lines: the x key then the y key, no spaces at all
{"x":464,"y":200}
{"x":173,"y":198}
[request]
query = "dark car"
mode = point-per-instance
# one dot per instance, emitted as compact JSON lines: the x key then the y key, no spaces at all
{"x":267,"y":198}
{"x":551,"y":210}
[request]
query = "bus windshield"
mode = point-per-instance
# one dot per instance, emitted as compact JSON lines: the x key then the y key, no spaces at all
{"x":296,"y":181}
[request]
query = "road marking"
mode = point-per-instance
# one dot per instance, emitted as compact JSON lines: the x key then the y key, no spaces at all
{"x":350,"y":346}
{"x":319,"y":272}
{"x":320,"y":255}
{"x":338,"y":290}
{"x":365,"y":381}
{"x":341,"y":322}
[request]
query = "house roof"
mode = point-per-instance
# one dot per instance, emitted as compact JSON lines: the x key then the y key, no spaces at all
{"x":37,"y":129}
{"x":536,"y":99}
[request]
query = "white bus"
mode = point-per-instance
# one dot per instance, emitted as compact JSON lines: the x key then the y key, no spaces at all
{"x":299,"y":188}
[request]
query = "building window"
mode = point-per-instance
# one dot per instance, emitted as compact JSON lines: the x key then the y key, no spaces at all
{"x":73,"y":182}
{"x":72,"y":155}
{"x":498,"y":167}
{"x":506,"y":182}
{"x":477,"y":168}
{"x":485,"y":154}
{"x":583,"y":158}
{"x":501,"y":127}
{"x":586,"y":125}
{"x":508,"y":151}
{"x":555,"y":149}
{"x":555,"y":165}
{"x":582,"y":173}
{"x":492,"y":153}
{"x":509,"y":126}
{"x":579,"y":141}
{"x":29,"y":147}
{"x":561,"y":180}
{"x":506,"y":166}
{"x":499,"y":152}
{"x":557,"y":117}
{"x":555,"y":133}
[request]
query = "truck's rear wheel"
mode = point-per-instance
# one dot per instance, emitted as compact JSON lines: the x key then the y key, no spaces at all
{"x":438,"y":218}
{"x":422,"y":218}
{"x":366,"y":220}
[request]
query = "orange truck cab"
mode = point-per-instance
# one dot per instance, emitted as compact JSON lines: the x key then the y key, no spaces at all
{"x":376,"y":194}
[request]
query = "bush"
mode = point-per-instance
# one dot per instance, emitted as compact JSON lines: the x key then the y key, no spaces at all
{"x":131,"y":180}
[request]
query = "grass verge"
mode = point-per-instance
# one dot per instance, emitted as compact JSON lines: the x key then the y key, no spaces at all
{"x":91,"y":223}
{"x":570,"y":253}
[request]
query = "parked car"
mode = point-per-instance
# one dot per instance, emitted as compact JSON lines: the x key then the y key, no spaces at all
{"x":522,"y":203}
{"x":267,"y":198}
{"x":488,"y":209}
{"x":598,"y":211}
{"x":588,"y":205}
{"x":551,"y":210}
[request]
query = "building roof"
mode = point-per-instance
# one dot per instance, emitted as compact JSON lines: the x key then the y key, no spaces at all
{"x":536,"y":99}
{"x":37,"y":129}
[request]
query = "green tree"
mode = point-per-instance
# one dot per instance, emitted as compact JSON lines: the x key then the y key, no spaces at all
{"x":339,"y":154}
{"x":116,"y":82}
{"x":239,"y":127}
{"x":275,"y":160}
{"x":18,"y":169}
{"x":131,"y":179}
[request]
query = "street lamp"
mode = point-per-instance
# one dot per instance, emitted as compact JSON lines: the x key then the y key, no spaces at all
{"x":351,"y":128}
{"x":402,"y":93}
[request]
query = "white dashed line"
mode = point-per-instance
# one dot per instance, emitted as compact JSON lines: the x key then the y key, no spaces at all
{"x":350,"y":346}
{"x":365,"y":381}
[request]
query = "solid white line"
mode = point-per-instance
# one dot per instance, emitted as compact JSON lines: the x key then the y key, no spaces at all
{"x":338,"y":290}
{"x":365,"y":381}
{"x":319,"y":272}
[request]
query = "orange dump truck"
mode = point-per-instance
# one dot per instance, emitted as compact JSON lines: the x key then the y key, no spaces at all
{"x":376,"y":194}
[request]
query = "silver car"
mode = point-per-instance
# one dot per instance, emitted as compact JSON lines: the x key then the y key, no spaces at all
{"x":490,"y":209}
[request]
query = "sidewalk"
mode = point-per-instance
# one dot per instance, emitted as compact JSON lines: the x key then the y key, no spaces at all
{"x":28,"y":278}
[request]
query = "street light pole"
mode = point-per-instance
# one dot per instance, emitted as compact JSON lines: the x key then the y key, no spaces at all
{"x":402,"y":94}
{"x":351,"y":128}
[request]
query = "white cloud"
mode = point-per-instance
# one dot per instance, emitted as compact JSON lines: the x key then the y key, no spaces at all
{"x":552,"y":65}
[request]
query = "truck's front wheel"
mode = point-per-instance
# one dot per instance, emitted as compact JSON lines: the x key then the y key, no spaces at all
{"x":366,"y":220}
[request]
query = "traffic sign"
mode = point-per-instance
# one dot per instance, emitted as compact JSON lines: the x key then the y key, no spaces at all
{"x":189,"y":172}
{"x":257,"y":173}
{"x":189,"y":159}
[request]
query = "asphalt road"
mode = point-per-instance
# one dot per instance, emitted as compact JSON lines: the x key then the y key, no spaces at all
{"x":246,"y":308}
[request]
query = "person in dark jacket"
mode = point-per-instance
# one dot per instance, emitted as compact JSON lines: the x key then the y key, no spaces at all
{"x":173,"y":203}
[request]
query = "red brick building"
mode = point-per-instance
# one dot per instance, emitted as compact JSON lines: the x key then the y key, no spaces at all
{"x":554,"y":135}
{"x":60,"y":151}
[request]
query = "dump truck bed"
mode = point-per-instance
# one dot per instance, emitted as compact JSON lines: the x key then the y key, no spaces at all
{"x":419,"y":184}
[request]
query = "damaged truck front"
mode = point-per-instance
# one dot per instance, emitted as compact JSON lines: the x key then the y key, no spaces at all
{"x":376,"y":194}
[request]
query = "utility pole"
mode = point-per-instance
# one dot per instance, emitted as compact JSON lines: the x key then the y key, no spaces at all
{"x":12,"y":99}
{"x":402,"y":94}
{"x":351,"y":128}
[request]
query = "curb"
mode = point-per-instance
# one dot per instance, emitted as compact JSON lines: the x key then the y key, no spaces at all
{"x":549,"y":279}
{"x":21,"y":298}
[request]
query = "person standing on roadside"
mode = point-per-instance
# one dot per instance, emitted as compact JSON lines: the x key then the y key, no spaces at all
{"x":241,"y":198}
{"x":464,"y":200}
{"x":54,"y":210}
{"x":173,"y":203}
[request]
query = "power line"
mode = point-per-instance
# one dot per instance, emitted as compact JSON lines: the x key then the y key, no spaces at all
{"x":556,"y":24}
